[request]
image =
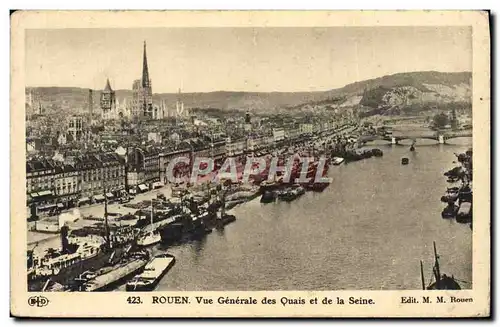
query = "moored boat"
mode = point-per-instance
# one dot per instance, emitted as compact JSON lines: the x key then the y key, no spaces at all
{"x":267,"y":186}
{"x":337,"y":161}
{"x":188,"y":226}
{"x":152,"y":274}
{"x":449,"y":211}
{"x":171,"y":233}
{"x":224,"y":220}
{"x":149,"y":239}
{"x":316,"y":187}
{"x":291,"y":193}
{"x":377,"y":152}
{"x":441,"y":281}
{"x":465,"y":194}
{"x":108,"y":277}
{"x":451,"y":195}
{"x":268,"y":197}
{"x":464,"y":214}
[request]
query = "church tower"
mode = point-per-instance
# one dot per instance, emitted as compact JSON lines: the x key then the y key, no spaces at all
{"x":108,"y":102}
{"x":143,"y":92}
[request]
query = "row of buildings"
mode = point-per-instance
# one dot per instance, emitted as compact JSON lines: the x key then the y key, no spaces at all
{"x":74,"y":177}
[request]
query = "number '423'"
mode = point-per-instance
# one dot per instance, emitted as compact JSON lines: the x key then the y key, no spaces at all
{"x":134,"y":300}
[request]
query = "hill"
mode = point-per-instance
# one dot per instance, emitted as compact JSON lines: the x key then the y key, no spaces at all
{"x":402,"y":89}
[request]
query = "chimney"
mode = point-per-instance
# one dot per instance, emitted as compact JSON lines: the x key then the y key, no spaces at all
{"x":91,"y":104}
{"x":64,"y":239}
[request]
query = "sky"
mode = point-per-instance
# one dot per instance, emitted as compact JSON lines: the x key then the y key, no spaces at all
{"x":241,"y":59}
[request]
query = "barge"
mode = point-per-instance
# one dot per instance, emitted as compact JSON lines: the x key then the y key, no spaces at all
{"x":152,"y":274}
{"x":107,"y":278}
{"x":464,"y":214}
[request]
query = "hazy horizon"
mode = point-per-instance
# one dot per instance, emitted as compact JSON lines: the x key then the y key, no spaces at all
{"x":203,"y":60}
{"x":233,"y":91}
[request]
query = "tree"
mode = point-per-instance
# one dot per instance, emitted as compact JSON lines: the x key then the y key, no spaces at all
{"x":441,"y":120}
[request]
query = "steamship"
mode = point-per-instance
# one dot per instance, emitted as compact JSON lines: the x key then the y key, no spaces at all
{"x":61,"y":267}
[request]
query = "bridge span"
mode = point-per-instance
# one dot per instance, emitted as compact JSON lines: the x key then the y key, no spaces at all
{"x":441,"y":137}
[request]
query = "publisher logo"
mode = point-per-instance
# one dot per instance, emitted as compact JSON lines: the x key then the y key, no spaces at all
{"x":38,"y":301}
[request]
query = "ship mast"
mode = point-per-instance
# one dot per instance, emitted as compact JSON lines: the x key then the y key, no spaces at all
{"x":106,"y":226}
{"x":422,"y":274}
{"x":437,"y":272}
{"x":152,"y":211}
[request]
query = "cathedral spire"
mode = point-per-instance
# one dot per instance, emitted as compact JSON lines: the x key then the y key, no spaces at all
{"x":108,"y":88}
{"x":145,"y":72}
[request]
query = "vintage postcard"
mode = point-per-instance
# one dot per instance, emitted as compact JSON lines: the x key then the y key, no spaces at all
{"x":250,"y":164}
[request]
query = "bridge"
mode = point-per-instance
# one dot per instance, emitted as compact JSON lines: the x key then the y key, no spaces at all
{"x":441,"y":136}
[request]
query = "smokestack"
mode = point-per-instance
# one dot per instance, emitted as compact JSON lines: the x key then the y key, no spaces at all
{"x":91,"y":104}
{"x":34,"y":215}
{"x":64,"y":239}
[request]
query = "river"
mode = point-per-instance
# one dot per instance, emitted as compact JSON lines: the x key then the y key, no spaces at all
{"x":368,"y":230}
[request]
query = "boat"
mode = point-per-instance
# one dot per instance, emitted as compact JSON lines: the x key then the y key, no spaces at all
{"x":291,"y":193}
{"x":441,"y":281}
{"x":451,"y":195}
{"x":152,"y":274}
{"x":267,"y":186}
{"x":337,"y":161}
{"x":377,"y":152}
{"x":63,"y":266}
{"x":464,"y":214}
{"x":151,"y":237}
{"x":450,"y":211}
{"x":412,"y":148}
{"x":316,"y":187}
{"x":108,"y":277}
{"x":188,"y":226}
{"x":224,"y":219}
{"x":233,"y":203}
{"x":456,"y":172}
{"x":171,"y":233}
{"x":268,"y":197}
{"x":465,"y":194}
{"x":405,"y":161}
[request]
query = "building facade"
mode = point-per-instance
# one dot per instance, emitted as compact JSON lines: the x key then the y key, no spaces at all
{"x":75,"y":127}
{"x":101,"y":173}
{"x":143,"y":167}
{"x":166,"y":158}
{"x":67,"y":183}
{"x":40,"y":180}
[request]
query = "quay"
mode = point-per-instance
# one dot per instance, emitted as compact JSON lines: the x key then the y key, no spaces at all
{"x":116,"y":230}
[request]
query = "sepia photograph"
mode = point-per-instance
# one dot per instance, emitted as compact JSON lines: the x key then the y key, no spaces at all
{"x":249,"y":158}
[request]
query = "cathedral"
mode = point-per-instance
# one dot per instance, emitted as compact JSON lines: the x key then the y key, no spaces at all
{"x":142,"y":101}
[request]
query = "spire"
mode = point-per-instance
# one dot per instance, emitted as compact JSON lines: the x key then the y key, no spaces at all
{"x":107,"y":88}
{"x":145,"y":72}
